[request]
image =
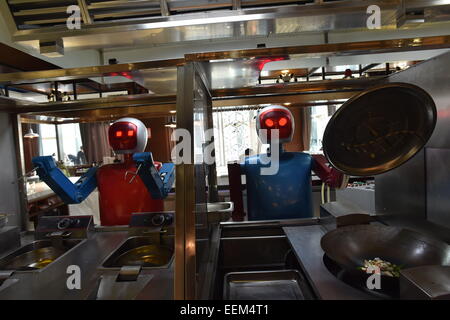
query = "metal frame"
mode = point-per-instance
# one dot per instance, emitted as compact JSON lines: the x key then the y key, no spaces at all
{"x":84,"y":72}
{"x":23,"y":201}
{"x":348,"y":48}
{"x":192,"y":77}
{"x":185,"y":199}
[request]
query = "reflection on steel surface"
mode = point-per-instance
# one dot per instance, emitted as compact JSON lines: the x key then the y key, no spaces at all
{"x":36,"y":255}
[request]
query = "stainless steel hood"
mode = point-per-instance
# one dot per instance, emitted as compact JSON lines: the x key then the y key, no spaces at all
{"x":128,"y":23}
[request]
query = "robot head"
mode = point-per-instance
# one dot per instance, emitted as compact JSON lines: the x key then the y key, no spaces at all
{"x":128,"y":135}
{"x":275,"y":117}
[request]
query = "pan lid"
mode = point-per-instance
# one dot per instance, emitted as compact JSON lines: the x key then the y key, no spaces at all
{"x":379,"y":129}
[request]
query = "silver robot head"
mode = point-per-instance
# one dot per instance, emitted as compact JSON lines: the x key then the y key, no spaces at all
{"x":128,"y":135}
{"x":275,"y":118}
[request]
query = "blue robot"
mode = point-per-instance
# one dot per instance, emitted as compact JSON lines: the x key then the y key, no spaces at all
{"x":287,"y":194}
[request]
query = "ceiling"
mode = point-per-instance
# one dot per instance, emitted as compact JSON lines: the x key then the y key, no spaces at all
{"x":128,"y":23}
{"x":307,"y":35}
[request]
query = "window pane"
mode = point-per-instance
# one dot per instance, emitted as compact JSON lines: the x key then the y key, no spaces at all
{"x":70,"y":136}
{"x":320,"y":115}
{"x":49,"y":147}
{"x":234,"y":132}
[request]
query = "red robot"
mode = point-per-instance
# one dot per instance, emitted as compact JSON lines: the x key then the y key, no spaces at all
{"x":117,"y":196}
{"x":137,"y":184}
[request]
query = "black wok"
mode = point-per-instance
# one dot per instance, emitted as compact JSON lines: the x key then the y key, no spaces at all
{"x":349,"y":246}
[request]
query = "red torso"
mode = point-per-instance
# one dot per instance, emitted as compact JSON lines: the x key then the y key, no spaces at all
{"x":118,"y":198}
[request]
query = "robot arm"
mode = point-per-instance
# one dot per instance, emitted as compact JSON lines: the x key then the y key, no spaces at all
{"x":327,"y":174}
{"x":69,"y":192}
{"x":157,"y":182}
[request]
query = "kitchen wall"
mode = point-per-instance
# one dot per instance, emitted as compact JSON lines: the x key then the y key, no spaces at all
{"x":421,"y":187}
{"x":9,"y":194}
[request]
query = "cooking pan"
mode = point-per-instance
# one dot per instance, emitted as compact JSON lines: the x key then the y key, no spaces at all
{"x":349,"y":246}
{"x":379,"y":129}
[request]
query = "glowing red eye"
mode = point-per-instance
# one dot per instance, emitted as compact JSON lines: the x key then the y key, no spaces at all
{"x":119,"y":134}
{"x":269,"y":123}
{"x":130,"y":133}
{"x":282,"y":122}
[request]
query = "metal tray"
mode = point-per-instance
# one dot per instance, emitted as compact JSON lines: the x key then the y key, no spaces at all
{"x":263,"y":285}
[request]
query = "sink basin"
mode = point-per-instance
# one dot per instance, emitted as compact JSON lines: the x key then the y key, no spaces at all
{"x":142,"y":251}
{"x":37,"y":255}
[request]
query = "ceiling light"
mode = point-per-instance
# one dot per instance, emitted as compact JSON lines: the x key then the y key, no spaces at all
{"x":31,"y":134}
{"x":172,"y":123}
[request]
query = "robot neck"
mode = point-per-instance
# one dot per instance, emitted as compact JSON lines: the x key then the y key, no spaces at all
{"x":280,"y":148}
{"x":127,"y":158}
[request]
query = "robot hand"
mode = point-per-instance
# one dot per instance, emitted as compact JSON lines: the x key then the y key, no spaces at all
{"x":329,"y":175}
{"x":157,"y":182}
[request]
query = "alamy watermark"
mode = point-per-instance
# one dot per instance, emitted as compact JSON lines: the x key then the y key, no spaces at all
{"x":374,"y":19}
{"x":73,"y":281}
{"x":182,"y":152}
{"x":374,"y":280}
{"x":74,"y":20}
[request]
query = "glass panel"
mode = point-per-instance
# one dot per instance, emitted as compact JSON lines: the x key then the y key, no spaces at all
{"x":235,"y":133}
{"x":320,"y":115}
{"x":71,"y":144}
{"x":48,"y":142}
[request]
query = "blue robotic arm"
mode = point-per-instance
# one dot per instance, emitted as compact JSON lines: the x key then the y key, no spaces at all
{"x":69,"y":192}
{"x":157,"y":182}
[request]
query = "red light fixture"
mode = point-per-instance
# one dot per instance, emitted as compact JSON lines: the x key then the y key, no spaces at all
{"x":261,"y":62}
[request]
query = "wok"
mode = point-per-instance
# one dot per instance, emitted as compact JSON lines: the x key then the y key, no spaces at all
{"x":379,"y":129}
{"x":349,"y":246}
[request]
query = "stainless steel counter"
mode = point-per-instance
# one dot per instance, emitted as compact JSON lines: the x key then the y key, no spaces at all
{"x":50,"y":282}
{"x":305,"y":242}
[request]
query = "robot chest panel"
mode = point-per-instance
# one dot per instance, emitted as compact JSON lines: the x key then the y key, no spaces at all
{"x":118,"y":195}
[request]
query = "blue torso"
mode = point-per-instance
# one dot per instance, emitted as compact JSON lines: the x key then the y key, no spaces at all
{"x":285,"y":195}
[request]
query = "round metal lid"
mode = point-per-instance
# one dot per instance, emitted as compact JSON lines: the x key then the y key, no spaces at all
{"x":379,"y":129}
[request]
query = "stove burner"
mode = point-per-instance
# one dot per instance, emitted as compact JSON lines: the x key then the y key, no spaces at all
{"x":358,"y":279}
